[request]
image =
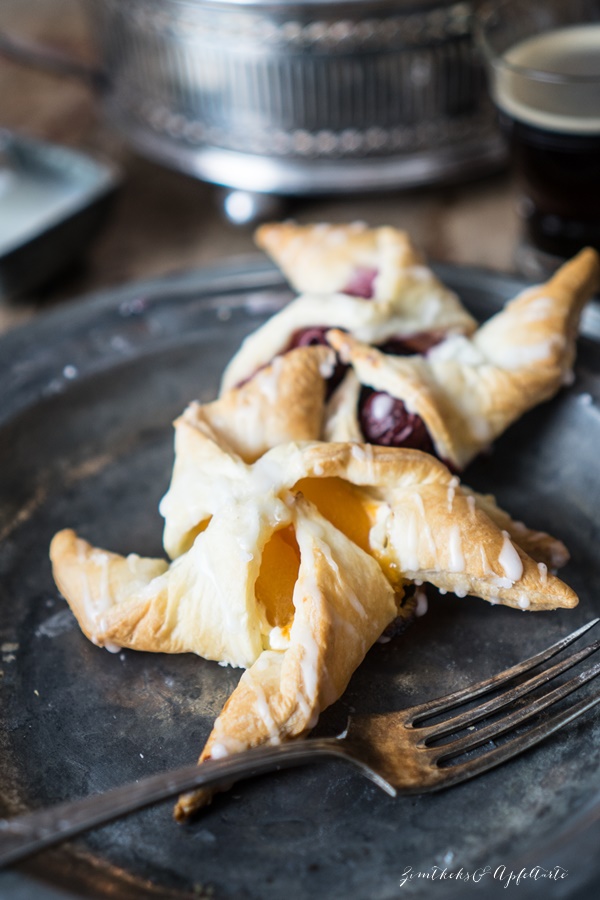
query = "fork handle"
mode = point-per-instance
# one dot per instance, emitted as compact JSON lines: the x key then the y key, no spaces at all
{"x":26,"y":834}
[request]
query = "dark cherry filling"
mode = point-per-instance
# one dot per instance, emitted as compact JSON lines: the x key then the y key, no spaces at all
{"x":361,"y":283}
{"x":314,"y":337}
{"x":384,"y":420}
{"x":412,"y":344}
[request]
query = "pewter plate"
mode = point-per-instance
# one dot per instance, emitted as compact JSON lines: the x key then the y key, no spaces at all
{"x":88,"y":395}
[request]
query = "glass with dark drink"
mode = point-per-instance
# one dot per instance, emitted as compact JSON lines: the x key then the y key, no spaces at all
{"x":544,"y":64}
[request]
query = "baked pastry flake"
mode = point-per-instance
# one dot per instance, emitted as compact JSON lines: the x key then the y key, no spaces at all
{"x":407,"y":302}
{"x":467,"y":389}
{"x":291,"y":567}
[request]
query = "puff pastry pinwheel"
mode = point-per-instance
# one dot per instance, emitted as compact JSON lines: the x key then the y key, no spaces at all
{"x":286,"y":402}
{"x":460,"y":396}
{"x":291,"y":567}
{"x":370,"y":282}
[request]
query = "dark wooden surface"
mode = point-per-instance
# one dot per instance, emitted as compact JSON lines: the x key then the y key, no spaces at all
{"x":165,"y":222}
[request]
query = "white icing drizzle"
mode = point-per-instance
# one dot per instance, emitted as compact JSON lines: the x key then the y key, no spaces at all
{"x":355,"y":603}
{"x":382,"y":405}
{"x":499,"y":582}
{"x":278,"y":640}
{"x":90,"y":610}
{"x":419,"y":273}
{"x":509,"y":559}
{"x":378,"y":533}
{"x":485,"y":563}
{"x":262,"y":707}
{"x":452,"y":485}
{"x":457,"y":348}
{"x":96,"y":606}
{"x":422,"y":603}
{"x":310,"y":715}
{"x":457,"y":560}
{"x":543,"y":570}
{"x":523,"y":602}
{"x":310,"y":661}
{"x":520,"y":356}
{"x":408,"y":545}
{"x":426,"y":528}
{"x":218,"y":751}
{"x":358,"y":452}
{"x":203,"y":562}
{"x":538,"y":308}
{"x":327,"y":366}
{"x":268,"y":381}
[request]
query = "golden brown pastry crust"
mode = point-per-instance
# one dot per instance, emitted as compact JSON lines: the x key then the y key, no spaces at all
{"x":97,"y":582}
{"x":364,"y":519}
{"x":397,"y":483}
{"x":542,"y":547}
{"x":468,"y":390}
{"x":248,"y":423}
{"x":161,"y":608}
{"x":319,"y":260}
{"x":342,"y":604}
{"x":282,"y":402}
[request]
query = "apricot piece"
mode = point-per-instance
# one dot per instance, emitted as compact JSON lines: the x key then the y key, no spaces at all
{"x":342,"y":504}
{"x":278,"y":575}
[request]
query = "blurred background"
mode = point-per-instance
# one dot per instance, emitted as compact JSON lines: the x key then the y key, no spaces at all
{"x":162,"y":221}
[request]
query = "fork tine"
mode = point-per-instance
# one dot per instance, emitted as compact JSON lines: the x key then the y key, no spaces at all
{"x":470,"y":768}
{"x":482,"y":711}
{"x":432,"y":707}
{"x":519,"y":716}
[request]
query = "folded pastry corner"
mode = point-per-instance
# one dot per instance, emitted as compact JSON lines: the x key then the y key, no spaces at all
{"x":423,"y":524}
{"x":370,"y":282}
{"x":339,"y":259}
{"x":541,"y":546}
{"x":203,"y":603}
{"x":467,"y":390}
{"x":282,"y":402}
{"x":96,"y":583}
{"x":342,"y":603}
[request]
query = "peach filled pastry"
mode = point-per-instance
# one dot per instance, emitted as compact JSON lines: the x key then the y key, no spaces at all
{"x":458,"y":397}
{"x":291,"y":567}
{"x":370,"y":282}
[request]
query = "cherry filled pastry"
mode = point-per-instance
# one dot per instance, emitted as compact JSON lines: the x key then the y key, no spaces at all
{"x":400,"y":303}
{"x":459,"y":396}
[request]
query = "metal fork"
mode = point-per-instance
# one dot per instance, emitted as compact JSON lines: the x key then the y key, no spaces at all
{"x":394,"y":750}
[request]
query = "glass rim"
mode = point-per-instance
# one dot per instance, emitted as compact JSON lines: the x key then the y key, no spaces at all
{"x":496,"y":60}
